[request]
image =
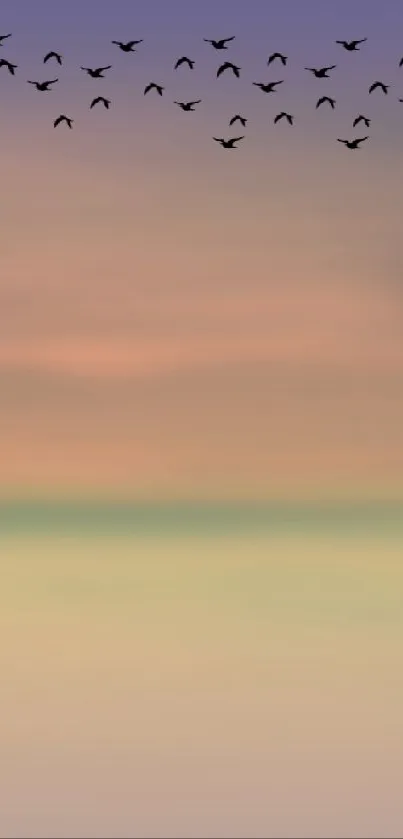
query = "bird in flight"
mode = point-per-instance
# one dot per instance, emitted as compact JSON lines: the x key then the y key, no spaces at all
{"x":274,"y":55}
{"x":363,"y":119}
{"x":63,"y":118}
{"x":219,"y":45}
{"x":269,"y":87}
{"x":129,"y":47}
{"x":53,"y":55}
{"x":228,"y":144}
{"x":352,"y":144}
{"x":98,"y":72}
{"x":323,"y":99}
{"x":188,"y":106}
{"x":184,"y":60}
{"x":105,"y":102}
{"x":150,"y":86}
{"x":288,"y":117}
{"x":351,"y":46}
{"x":43,"y":85}
{"x":3,"y":38}
{"x":238,"y":118}
{"x":401,"y":62}
{"x":322,"y":72}
{"x":228,"y":66}
{"x":383,"y":87}
{"x":10,"y":67}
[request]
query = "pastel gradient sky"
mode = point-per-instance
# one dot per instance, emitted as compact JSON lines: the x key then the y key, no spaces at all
{"x":181,"y":321}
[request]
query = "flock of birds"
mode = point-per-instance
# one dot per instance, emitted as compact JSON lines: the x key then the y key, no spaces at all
{"x":219,"y":45}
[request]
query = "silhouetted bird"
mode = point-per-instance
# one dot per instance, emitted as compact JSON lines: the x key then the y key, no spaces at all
{"x":43,"y":85}
{"x":53,"y":55}
{"x":105,"y":102}
{"x":288,"y":117}
{"x":228,"y":144}
{"x":157,"y":87}
{"x":63,"y":118}
{"x":323,"y":99}
{"x":238,"y":117}
{"x":322,"y":72}
{"x":3,"y":38}
{"x":274,"y":55}
{"x":267,"y":88}
{"x":188,"y":106}
{"x":228,"y":66}
{"x":98,"y":72}
{"x":129,"y":47}
{"x":10,"y":67}
{"x":383,"y":87}
{"x":352,"y":144}
{"x":184,"y":60}
{"x":351,"y":46}
{"x":401,"y":62}
{"x":219,"y":45}
{"x":363,"y":119}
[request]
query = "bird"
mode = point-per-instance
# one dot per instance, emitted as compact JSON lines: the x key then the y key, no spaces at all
{"x":44,"y":86}
{"x":323,"y":99}
{"x":129,"y":47}
{"x":289,"y":117}
{"x":184,"y":60}
{"x":228,"y":144}
{"x":351,"y":46}
{"x":363,"y":119}
{"x":221,"y":44}
{"x":53,"y":55}
{"x":322,"y":72}
{"x":3,"y":38}
{"x":269,"y":87}
{"x":274,"y":55}
{"x":10,"y":67}
{"x":352,"y":144}
{"x":188,"y":106}
{"x":238,"y":117}
{"x":106,"y":102}
{"x":150,"y":86}
{"x":401,"y":62}
{"x":97,"y":73}
{"x":383,"y":87}
{"x":63,"y":118}
{"x":228,"y":66}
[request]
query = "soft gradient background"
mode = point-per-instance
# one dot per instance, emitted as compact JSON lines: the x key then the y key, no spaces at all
{"x":185,"y":326}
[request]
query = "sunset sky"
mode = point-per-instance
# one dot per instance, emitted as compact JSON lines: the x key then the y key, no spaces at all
{"x":183,"y":325}
{"x":182,"y":321}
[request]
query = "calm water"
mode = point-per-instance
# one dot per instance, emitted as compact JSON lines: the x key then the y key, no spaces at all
{"x":188,"y":671}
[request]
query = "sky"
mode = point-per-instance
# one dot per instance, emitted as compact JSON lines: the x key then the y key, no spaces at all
{"x":179,"y":321}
